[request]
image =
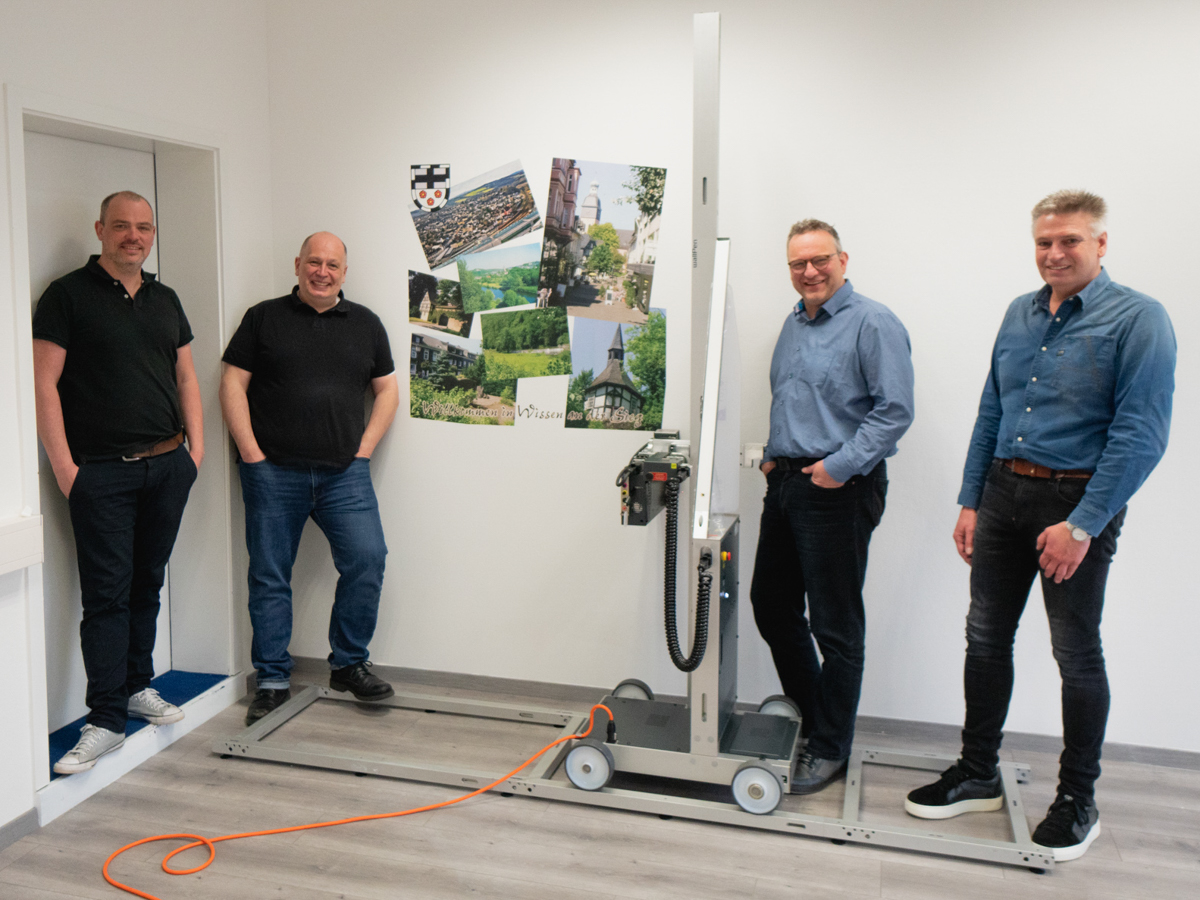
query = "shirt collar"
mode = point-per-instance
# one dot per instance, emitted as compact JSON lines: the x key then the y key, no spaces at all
{"x":1086,"y":296}
{"x":338,"y":309}
{"x":832,"y":306}
{"x":93,"y":266}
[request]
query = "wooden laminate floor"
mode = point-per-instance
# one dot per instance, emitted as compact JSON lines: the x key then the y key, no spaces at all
{"x":530,"y":849}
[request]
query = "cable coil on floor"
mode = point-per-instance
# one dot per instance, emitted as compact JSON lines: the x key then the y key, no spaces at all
{"x":201,"y":841}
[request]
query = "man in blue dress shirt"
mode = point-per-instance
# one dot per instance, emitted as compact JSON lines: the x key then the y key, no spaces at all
{"x":1074,"y":416}
{"x":841,"y":397}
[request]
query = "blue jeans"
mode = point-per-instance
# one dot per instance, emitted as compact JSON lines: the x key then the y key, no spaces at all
{"x":125,"y":516}
{"x":1014,"y":510}
{"x":812,"y":545}
{"x":279,"y":500}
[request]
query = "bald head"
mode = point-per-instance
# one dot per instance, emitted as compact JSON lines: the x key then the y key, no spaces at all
{"x":321,"y":270}
{"x":326,"y":234}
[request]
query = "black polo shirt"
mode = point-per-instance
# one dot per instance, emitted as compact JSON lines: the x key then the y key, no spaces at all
{"x":310,"y":372}
{"x":117,"y":388}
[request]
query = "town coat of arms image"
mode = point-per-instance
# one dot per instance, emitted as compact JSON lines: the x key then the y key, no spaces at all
{"x":430,"y":186}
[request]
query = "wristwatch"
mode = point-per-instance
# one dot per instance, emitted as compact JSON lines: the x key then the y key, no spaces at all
{"x":1078,"y":533}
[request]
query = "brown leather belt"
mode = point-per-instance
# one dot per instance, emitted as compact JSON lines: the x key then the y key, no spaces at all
{"x":157,"y":450}
{"x":1033,"y":470}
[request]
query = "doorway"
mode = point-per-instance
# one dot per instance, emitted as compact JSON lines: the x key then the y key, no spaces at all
{"x":65,"y":158}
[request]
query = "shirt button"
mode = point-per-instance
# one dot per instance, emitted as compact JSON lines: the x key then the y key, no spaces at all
{"x":1043,"y":349}
{"x":1029,"y":409}
{"x":1057,"y":319}
{"x":1020,"y":439}
{"x":1035,"y":378}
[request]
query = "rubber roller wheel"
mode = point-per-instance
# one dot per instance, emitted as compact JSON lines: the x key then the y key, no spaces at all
{"x":756,"y":790}
{"x":779,"y":705}
{"x":590,"y":765}
{"x":633,"y":689}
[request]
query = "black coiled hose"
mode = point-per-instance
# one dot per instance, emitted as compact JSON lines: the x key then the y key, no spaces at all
{"x":703,"y":592}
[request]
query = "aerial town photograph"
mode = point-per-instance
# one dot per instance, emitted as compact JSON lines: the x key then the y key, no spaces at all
{"x":483,"y":212}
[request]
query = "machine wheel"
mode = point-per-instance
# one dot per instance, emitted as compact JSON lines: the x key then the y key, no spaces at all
{"x":590,"y":765}
{"x":779,"y":705}
{"x":757,"y":790}
{"x":633,"y":689}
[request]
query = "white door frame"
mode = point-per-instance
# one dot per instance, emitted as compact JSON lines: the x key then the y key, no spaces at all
{"x":188,"y":172}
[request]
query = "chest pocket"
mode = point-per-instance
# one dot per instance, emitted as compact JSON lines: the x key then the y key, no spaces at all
{"x":815,"y":366}
{"x":1084,"y":364}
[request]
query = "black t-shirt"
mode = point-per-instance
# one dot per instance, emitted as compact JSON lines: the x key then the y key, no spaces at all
{"x":117,"y":388}
{"x":309,"y":372}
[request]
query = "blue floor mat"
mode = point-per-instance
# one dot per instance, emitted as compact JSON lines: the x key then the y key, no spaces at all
{"x":174,"y":687}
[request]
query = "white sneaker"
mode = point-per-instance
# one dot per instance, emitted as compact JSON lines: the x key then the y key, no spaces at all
{"x":94,"y":742}
{"x":154,"y":709}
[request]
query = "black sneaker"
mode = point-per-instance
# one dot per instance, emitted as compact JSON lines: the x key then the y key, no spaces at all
{"x":956,"y":792}
{"x":266,"y":700}
{"x":1069,"y":828}
{"x":360,"y":682}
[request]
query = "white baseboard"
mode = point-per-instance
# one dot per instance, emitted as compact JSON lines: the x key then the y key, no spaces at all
{"x":62,"y":794}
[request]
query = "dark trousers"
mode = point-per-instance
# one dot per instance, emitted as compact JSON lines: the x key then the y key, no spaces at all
{"x":1014,"y":510}
{"x":812,"y":545}
{"x":125,"y":516}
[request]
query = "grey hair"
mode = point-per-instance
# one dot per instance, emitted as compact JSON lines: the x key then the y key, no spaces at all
{"x":808,"y":225}
{"x":121,"y":195}
{"x":1066,"y":202}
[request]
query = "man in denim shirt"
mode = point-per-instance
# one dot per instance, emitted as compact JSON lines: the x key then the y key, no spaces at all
{"x":841,"y":397}
{"x":1074,"y":416}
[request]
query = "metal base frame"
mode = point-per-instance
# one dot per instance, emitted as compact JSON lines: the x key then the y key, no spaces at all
{"x":538,"y":781}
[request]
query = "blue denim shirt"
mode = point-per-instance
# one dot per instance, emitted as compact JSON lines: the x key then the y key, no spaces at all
{"x":841,"y":385}
{"x":1088,"y":388}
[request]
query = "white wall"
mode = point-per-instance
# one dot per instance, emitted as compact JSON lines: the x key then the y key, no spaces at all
{"x":507,"y":556}
{"x":202,"y":66}
{"x":925,"y":131}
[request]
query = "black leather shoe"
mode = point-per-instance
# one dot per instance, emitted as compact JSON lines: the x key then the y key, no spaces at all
{"x":360,"y":682}
{"x":266,"y":700}
{"x":813,"y":773}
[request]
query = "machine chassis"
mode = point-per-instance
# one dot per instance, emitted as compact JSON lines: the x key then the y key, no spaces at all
{"x":539,"y":780}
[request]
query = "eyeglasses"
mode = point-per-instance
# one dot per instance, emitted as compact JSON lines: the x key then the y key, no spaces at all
{"x":818,"y":262}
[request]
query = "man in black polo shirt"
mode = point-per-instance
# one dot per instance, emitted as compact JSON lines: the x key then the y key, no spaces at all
{"x":116,"y":392}
{"x":292,"y":394}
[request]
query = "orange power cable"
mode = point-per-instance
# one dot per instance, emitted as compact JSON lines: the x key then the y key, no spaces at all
{"x":198,"y":840}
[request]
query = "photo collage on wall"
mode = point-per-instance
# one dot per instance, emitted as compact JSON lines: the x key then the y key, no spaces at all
{"x":503,"y":303}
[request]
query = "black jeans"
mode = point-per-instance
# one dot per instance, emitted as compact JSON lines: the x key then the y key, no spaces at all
{"x":1014,"y":510}
{"x":125,"y":516}
{"x":812,"y":544}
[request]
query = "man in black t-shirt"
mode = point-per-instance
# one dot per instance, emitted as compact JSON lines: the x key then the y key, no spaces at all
{"x":292,"y":395}
{"x":116,"y":394}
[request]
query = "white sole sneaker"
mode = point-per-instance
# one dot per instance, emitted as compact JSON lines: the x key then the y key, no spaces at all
{"x":150,"y":707}
{"x":93,"y":743}
{"x":1066,"y":854}
{"x":950,"y":810}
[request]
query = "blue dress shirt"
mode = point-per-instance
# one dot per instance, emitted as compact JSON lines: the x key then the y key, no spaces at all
{"x":1087,"y":388}
{"x":841,"y":385}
